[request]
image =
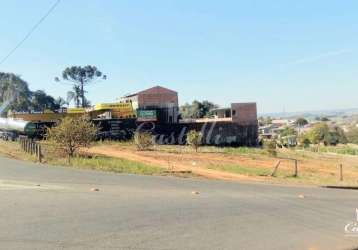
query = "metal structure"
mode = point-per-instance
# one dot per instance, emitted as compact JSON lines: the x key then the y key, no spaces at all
{"x":18,"y":126}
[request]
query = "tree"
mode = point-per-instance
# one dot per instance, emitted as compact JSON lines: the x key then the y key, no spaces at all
{"x":80,"y":77}
{"x":40,"y":101}
{"x":60,"y":101}
{"x":321,"y":132}
{"x":270,"y":146}
{"x":287,"y":131}
{"x":340,"y":134}
{"x":318,"y":132}
{"x":352,"y":135}
{"x":301,"y":122}
{"x":194,"y":139}
{"x":15,"y":95}
{"x":197,"y":109}
{"x":15,"y":91}
{"x":72,"y":134}
{"x":75,"y":96}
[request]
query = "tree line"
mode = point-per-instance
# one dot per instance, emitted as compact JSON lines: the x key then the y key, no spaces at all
{"x":16,"y":92}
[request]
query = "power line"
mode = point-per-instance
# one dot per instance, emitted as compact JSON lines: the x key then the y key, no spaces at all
{"x":28,"y":34}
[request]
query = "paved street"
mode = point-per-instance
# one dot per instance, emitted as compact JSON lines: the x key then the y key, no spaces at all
{"x":54,"y":208}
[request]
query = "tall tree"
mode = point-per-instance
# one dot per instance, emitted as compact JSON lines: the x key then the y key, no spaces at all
{"x":301,"y":122}
{"x":80,"y":77}
{"x":15,"y":95}
{"x":40,"y":101}
{"x":14,"y":90}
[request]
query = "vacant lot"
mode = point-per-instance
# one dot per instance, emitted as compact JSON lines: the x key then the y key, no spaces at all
{"x":243,"y":163}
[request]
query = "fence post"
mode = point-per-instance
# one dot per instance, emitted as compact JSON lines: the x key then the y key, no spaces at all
{"x":39,"y":153}
{"x":275,"y":168}
{"x":296,"y":169}
{"x":341,"y":172}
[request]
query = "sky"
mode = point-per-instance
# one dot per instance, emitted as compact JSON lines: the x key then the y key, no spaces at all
{"x":284,"y":55}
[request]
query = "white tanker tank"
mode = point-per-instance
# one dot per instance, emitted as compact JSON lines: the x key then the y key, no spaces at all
{"x":18,"y":126}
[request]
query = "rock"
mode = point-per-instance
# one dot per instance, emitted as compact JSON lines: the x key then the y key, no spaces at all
{"x":195,"y":192}
{"x":94,"y":189}
{"x":301,"y":196}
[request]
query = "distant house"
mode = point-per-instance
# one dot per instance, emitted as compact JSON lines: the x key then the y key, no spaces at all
{"x":282,"y":122}
{"x":240,"y":113}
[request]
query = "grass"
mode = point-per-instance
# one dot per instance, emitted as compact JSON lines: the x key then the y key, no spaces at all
{"x":115,"y":165}
{"x":345,"y":150}
{"x":102,"y":163}
{"x":238,"y":169}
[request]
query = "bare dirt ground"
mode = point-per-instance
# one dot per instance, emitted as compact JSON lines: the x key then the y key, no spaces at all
{"x":169,"y":161}
{"x":314,"y":168}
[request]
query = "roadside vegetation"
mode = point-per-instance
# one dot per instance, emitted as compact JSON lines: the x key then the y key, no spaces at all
{"x":310,"y":157}
{"x":81,"y":160}
{"x":71,"y":135}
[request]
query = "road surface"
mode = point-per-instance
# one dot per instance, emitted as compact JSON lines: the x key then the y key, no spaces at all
{"x":45,"y":207}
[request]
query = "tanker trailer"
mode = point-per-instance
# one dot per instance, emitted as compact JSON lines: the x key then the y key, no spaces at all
{"x":17,"y":127}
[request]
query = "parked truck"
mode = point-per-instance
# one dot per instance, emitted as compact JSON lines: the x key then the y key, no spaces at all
{"x":10,"y":129}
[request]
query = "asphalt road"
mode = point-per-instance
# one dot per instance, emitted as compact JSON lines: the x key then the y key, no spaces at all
{"x":54,"y":208}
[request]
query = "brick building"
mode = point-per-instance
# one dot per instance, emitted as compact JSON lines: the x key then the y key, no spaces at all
{"x":164,"y":100}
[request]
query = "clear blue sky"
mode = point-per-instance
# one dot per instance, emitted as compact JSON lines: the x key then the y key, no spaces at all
{"x":292,"y":55}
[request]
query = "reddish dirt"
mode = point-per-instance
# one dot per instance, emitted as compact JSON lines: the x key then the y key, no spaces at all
{"x":169,"y":161}
{"x":311,"y":164}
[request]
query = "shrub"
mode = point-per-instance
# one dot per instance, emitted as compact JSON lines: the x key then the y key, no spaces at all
{"x":193,"y":138}
{"x":270,"y":147}
{"x":143,"y":140}
{"x":72,"y":134}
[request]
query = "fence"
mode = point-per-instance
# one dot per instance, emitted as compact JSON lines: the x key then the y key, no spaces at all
{"x":295,"y":174}
{"x":31,"y":147}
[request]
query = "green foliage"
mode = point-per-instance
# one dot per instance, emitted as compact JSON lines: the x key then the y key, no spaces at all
{"x":305,"y":142}
{"x":16,"y":92}
{"x":301,"y":122}
{"x":72,"y":134}
{"x":317,"y":133}
{"x":197,"y":109}
{"x":80,"y":77}
{"x":115,"y":165}
{"x":194,"y":139}
{"x":239,"y":169}
{"x":344,"y":150}
{"x":322,"y":133}
{"x":143,"y":140}
{"x":270,"y":147}
{"x":352,"y":135}
{"x":287,"y":131}
{"x":342,"y":137}
{"x":40,"y":101}
{"x":288,"y":141}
